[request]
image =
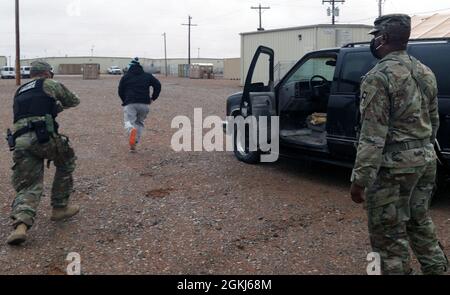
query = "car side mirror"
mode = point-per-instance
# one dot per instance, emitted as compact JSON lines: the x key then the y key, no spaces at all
{"x":331,"y":63}
{"x":257,"y":85}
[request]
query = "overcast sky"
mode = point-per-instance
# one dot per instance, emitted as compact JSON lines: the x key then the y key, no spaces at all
{"x":135,"y":27}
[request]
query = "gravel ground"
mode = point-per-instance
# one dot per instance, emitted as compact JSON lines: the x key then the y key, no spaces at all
{"x":161,"y":212}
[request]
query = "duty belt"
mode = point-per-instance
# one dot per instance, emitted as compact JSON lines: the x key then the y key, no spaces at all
{"x":23,"y":131}
{"x":405,"y":146}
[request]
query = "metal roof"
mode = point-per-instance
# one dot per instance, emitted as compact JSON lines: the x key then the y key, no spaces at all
{"x":310,"y":27}
{"x":431,"y":26}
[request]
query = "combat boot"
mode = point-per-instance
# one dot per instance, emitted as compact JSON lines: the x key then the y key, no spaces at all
{"x":18,"y":236}
{"x":59,"y":214}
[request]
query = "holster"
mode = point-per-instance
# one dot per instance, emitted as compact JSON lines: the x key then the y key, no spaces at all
{"x":40,"y":128}
{"x":11,"y":140}
{"x":65,"y":151}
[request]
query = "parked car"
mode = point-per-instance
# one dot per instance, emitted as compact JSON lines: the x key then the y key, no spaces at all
{"x":25,"y":71}
{"x":114,"y":70}
{"x":318,"y":101}
{"x":8,"y":73}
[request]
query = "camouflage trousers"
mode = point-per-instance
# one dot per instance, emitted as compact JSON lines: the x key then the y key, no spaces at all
{"x":28,"y":177}
{"x":398,"y":214}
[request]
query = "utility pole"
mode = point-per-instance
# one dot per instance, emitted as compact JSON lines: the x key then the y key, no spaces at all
{"x":333,"y":8}
{"x":260,"y":8}
{"x":165,"y":52}
{"x":380,"y":7}
{"x":18,"y":82}
{"x":189,"y":24}
{"x":198,"y":56}
{"x":92,"y":50}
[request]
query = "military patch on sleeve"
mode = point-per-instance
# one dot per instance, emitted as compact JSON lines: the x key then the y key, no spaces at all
{"x":364,"y":95}
{"x":366,"y":98}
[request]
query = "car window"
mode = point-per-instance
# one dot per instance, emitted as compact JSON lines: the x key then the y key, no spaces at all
{"x":323,"y":66}
{"x":436,"y":57}
{"x":261,"y":73}
{"x":354,"y":66}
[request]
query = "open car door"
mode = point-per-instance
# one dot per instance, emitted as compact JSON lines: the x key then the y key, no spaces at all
{"x":258,"y":99}
{"x":258,"y":104}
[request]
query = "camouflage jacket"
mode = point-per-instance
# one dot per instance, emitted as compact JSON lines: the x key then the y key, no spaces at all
{"x":398,"y":104}
{"x":64,"y":100}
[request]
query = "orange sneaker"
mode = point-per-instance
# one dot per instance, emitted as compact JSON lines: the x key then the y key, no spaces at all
{"x":133,"y":135}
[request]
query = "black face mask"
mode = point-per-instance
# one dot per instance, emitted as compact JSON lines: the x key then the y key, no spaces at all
{"x":374,"y":49}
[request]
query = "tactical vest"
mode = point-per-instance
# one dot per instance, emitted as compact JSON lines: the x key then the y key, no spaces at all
{"x":32,"y":101}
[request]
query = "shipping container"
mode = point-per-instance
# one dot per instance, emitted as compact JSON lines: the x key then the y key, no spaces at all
{"x":91,"y":71}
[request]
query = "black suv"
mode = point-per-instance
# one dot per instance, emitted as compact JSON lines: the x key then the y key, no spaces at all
{"x":318,"y":100}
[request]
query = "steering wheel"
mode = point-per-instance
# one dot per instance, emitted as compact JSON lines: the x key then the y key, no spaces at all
{"x":314,"y":91}
{"x":324,"y":81}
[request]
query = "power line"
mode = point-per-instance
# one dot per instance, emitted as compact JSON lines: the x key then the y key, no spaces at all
{"x":334,"y":11}
{"x":189,"y":24}
{"x":260,"y":8}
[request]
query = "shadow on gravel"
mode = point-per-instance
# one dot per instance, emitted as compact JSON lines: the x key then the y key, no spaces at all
{"x":320,"y":172}
{"x":340,"y":177}
{"x":442,"y":198}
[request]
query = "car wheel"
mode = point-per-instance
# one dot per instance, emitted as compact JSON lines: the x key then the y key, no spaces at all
{"x":241,"y":149}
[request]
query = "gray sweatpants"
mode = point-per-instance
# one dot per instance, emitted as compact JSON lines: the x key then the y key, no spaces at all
{"x":134,"y":117}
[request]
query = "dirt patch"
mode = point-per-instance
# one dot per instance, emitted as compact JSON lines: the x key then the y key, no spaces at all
{"x":158,"y":193}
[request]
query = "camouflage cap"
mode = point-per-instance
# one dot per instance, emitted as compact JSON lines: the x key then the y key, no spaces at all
{"x":39,"y":66}
{"x":391,"y":23}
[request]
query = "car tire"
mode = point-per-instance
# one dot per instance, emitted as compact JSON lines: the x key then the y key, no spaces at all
{"x":242,"y":154}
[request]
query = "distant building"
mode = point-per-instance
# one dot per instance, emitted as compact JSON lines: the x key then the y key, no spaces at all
{"x":71,"y":65}
{"x":290,"y":44}
{"x":430,"y":26}
{"x":3,"y":61}
{"x":232,"y":69}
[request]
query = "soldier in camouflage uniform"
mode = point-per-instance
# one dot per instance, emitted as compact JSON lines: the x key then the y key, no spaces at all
{"x":396,"y":161}
{"x":36,"y":105}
